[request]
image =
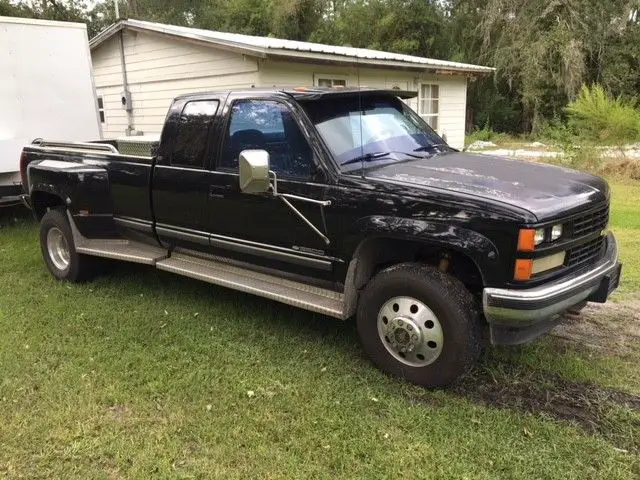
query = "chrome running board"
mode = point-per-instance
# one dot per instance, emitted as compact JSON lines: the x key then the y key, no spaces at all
{"x":285,"y":291}
{"x":118,"y":249}
{"x":297,"y":294}
{"x":123,"y":250}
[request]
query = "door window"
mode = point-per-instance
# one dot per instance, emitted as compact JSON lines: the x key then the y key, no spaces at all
{"x":192,"y":133}
{"x":267,"y":125}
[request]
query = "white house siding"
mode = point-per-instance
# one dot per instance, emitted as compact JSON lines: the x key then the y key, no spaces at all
{"x":108,"y":80}
{"x":453,"y":106}
{"x":453,"y":88}
{"x":159,"y":69}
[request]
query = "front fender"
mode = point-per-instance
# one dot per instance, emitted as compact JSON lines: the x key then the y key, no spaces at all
{"x":480,"y":249}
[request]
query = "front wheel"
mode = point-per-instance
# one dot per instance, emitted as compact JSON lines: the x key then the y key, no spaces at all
{"x":419,"y":323}
{"x":58,"y":249}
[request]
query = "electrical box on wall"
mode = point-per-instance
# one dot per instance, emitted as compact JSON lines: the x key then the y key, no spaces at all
{"x":125,"y":100}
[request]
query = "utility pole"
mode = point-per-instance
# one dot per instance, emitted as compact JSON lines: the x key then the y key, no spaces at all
{"x":115,"y":3}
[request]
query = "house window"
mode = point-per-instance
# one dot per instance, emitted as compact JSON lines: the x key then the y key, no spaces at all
{"x":330,"y":81}
{"x":101,"y":109}
{"x":429,"y":105}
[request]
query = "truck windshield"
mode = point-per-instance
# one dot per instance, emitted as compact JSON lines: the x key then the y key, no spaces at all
{"x":376,"y":129}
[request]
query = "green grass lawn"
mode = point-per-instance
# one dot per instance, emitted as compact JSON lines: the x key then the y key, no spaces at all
{"x":141,"y":374}
{"x":625,"y":223}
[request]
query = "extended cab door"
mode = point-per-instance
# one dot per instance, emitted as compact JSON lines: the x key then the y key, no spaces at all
{"x":182,"y":174}
{"x":261,"y":228}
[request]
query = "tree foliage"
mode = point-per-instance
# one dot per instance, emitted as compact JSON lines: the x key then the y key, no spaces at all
{"x":597,"y":116}
{"x":543,"y":50}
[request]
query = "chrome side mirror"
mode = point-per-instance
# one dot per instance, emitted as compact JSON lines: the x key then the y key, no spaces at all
{"x":254,"y":171}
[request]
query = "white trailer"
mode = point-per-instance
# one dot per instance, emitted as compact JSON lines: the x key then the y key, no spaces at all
{"x":46,"y":90}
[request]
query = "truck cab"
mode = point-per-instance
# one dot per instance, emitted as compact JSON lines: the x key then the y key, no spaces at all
{"x":343,"y":202}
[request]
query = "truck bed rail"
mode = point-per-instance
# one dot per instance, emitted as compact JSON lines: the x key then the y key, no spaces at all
{"x":101,"y":147}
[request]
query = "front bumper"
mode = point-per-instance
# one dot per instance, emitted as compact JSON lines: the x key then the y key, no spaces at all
{"x":518,"y":316}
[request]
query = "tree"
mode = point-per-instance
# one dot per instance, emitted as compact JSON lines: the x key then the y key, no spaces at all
{"x":415,"y":27}
{"x":543,"y":50}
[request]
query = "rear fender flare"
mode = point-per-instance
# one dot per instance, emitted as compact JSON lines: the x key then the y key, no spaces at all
{"x":78,"y":186}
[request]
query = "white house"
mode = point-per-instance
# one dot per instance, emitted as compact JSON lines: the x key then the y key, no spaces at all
{"x":139,"y":67}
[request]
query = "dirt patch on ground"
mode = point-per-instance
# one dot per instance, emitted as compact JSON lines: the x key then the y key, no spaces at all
{"x":608,"y":412}
{"x":610,"y":328}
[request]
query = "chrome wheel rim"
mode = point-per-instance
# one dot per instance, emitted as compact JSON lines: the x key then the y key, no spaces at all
{"x":58,"y":248}
{"x":410,"y":331}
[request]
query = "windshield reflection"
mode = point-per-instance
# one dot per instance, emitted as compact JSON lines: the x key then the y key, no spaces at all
{"x":364,"y":127}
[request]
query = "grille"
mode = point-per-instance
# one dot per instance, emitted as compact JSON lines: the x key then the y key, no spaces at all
{"x":591,"y":222}
{"x":585,"y":253}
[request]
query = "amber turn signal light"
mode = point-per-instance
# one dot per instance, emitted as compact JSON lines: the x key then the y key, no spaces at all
{"x":523,"y":270}
{"x":526,"y":240}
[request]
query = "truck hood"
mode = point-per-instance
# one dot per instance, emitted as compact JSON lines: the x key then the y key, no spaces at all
{"x":544,"y":190}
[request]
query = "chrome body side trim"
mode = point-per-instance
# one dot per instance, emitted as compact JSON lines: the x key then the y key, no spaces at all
{"x":134,"y":223}
{"x":201,"y":238}
{"x":251,"y":248}
{"x":290,"y":257}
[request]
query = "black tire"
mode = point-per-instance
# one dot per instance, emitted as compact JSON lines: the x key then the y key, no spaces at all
{"x":450,"y":302}
{"x":80,"y":267}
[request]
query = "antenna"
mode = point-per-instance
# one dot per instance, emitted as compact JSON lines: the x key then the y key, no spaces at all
{"x":360,"y":120}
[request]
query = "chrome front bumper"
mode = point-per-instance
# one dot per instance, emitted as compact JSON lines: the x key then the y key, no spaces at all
{"x":517,"y":316}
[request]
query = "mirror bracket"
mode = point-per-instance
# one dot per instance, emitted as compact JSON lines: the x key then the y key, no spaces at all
{"x":256,"y":177}
{"x":285,"y":196}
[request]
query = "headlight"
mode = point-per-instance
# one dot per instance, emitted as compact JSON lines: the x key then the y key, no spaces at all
{"x":539,"y":236}
{"x":556,"y":232}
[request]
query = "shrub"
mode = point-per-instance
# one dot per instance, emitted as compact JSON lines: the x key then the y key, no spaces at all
{"x":596,"y":117}
{"x":557,"y":132}
{"x":486,"y":134}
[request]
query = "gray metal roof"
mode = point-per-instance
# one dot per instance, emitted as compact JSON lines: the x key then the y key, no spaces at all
{"x":267,"y":46}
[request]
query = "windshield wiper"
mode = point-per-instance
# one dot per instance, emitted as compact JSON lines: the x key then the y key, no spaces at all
{"x":368,"y":157}
{"x":427,"y":148}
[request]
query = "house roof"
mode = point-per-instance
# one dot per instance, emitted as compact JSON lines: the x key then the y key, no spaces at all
{"x":305,"y":51}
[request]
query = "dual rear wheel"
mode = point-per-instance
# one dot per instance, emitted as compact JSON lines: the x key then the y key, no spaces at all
{"x":59,"y":251}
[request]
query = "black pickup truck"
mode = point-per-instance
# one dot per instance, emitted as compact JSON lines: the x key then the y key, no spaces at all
{"x":343,"y":202}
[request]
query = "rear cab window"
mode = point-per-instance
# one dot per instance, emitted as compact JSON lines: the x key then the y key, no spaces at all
{"x":192,"y":132}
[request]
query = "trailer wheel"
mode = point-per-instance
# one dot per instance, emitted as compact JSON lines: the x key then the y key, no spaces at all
{"x":420,"y":324}
{"x":58,"y":249}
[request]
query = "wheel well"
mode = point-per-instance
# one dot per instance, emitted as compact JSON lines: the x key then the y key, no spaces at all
{"x":377,"y":254}
{"x":43,"y":201}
